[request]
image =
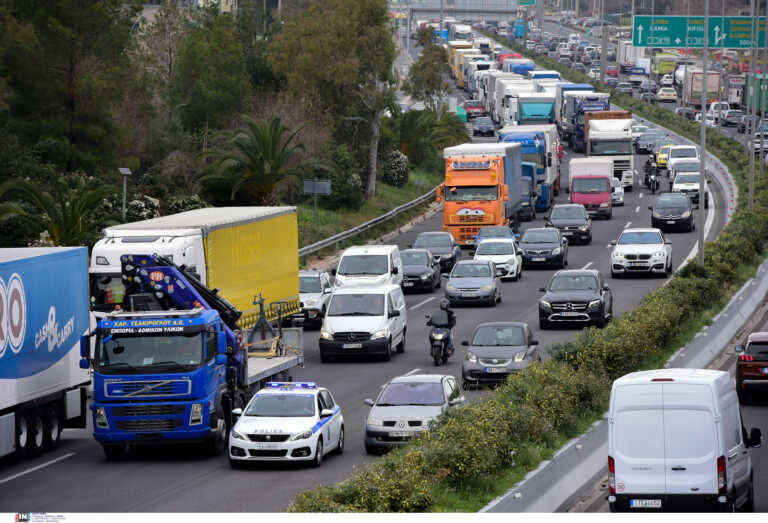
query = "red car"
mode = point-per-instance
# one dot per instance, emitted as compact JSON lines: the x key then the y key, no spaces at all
{"x":752,"y":366}
{"x":612,"y":70}
{"x":474,"y":108}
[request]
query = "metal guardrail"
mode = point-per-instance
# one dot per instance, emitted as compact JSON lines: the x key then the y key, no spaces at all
{"x":337,"y":239}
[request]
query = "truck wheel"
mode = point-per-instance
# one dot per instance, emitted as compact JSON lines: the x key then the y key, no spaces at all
{"x":36,"y":433}
{"x":216,"y":443}
{"x":52,"y":434}
{"x":22,"y":433}
{"x":113,"y":452}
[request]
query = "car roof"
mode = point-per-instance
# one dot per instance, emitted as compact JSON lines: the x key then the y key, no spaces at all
{"x":640,"y":229}
{"x":369,"y":249}
{"x":560,"y":205}
{"x":678,"y":375}
{"x":378,"y":289}
{"x":502,"y":324}
{"x":419,"y":378}
{"x":435,"y":233}
{"x":577,"y":272}
{"x":758,"y":336}
{"x":541,"y":229}
{"x":497,"y":239}
{"x":410,"y":251}
{"x":472,"y":262}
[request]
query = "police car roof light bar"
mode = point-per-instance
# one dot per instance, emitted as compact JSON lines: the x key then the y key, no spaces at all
{"x":292,"y":384}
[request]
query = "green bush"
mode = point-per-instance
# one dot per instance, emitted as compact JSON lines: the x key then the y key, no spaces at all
{"x":395,"y":169}
{"x":346,"y":183}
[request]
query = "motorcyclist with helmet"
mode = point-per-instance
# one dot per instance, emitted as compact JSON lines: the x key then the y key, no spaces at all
{"x":442,"y":321}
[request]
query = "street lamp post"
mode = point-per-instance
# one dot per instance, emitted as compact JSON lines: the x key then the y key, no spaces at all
{"x":125,"y":172}
{"x":703,"y":135}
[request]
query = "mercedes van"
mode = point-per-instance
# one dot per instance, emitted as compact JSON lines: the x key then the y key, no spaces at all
{"x":369,"y":265}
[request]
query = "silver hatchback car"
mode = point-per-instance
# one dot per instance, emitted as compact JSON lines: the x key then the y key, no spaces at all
{"x":405,"y":407}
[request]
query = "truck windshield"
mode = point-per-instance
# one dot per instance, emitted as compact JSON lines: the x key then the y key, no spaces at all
{"x":282,"y":406}
{"x":609,"y":148}
{"x":180,"y":352}
{"x":590,"y":185}
{"x":470,"y":194}
{"x":107,"y":292}
{"x":537,"y":158}
{"x":363,"y":264}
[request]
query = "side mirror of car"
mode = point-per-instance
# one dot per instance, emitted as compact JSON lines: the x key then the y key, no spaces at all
{"x":534,"y":342}
{"x":333,"y":272}
{"x":394,"y":314}
{"x":547,"y":223}
{"x":542,"y":289}
{"x":613,"y":242}
{"x":460,"y":400}
{"x":326,"y":413}
{"x":650,"y":207}
{"x":327,"y":290}
{"x":739,"y":349}
{"x":667,"y":242}
{"x":567,"y":190}
{"x":613,"y":189}
{"x":368,"y":402}
{"x":606,"y":288}
{"x":237,"y":413}
{"x":445,"y":275}
{"x":755,"y":438}
{"x":394,"y":270}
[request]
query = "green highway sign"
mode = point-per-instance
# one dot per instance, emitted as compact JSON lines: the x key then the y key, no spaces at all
{"x":526,"y":2}
{"x":730,"y":32}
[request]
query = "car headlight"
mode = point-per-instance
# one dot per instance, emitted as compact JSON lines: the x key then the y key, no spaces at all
{"x":659,"y":254}
{"x":584,"y":228}
{"x":237,"y":435}
{"x":301,"y":435}
{"x":545,"y":304}
{"x":594,"y":303}
{"x":196,"y":414}
{"x":526,"y":204}
{"x":604,"y":204}
{"x":511,"y":261}
{"x":450,"y":288}
{"x":379,"y":334}
{"x":425,"y":277}
{"x":375,"y":422}
{"x":312,"y":302}
{"x":324,"y":334}
{"x":519,"y":357}
{"x":471,"y":357}
{"x":656,"y":214}
{"x":101,"y":418}
{"x":486,"y":288}
{"x":686,"y":214}
{"x":556,"y":250}
{"x":617,"y":255}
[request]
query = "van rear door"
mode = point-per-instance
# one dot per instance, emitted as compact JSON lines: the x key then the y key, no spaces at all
{"x":638,"y":439}
{"x":690,"y":439}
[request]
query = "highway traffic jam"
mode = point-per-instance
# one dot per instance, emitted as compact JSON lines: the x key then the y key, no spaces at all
{"x":561,"y":215}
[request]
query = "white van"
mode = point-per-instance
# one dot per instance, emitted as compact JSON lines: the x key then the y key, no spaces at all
{"x":681,"y":153}
{"x":369,"y":265}
{"x":676,"y":442}
{"x":364,"y":320}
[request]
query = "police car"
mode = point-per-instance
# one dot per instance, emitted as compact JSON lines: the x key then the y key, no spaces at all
{"x":287,"y":421}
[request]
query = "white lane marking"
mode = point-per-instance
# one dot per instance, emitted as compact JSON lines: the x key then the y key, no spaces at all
{"x":587,"y":266}
{"x":640,"y":196}
{"x":422,"y":303}
{"x":65,"y":456}
{"x":637,"y":209}
{"x":411,"y":372}
{"x":627,"y":225}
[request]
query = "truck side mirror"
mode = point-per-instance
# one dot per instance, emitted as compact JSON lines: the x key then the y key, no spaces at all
{"x":549,"y":159}
{"x":85,"y":350}
{"x":506,"y":193}
{"x":755,"y":438}
{"x":739,"y":349}
{"x":221,"y":359}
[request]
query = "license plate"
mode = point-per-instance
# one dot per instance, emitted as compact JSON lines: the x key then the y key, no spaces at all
{"x":645,"y":503}
{"x":567,"y":233}
{"x":352,"y":346}
{"x":399,"y":434}
{"x":312,"y":314}
{"x":469,"y":295}
{"x":636,"y":264}
{"x":569,"y":314}
{"x":670,"y":222}
{"x":537,"y":259}
{"x":408,"y":284}
{"x":266,"y":446}
{"x":495,"y":370}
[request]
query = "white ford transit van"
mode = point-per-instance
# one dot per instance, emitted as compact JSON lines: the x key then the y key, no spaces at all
{"x":676,"y":442}
{"x":369,"y":265}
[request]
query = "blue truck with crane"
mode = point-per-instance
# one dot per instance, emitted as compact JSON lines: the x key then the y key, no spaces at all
{"x":587,"y":105}
{"x":534,"y":151}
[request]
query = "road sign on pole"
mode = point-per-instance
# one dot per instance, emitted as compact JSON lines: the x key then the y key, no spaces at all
{"x":526,"y":2}
{"x":315,"y":187}
{"x":730,"y":32}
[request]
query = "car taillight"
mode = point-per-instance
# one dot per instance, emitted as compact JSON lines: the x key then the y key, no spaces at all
{"x":722,"y":481}
{"x":747,"y":357}
{"x":612,"y":476}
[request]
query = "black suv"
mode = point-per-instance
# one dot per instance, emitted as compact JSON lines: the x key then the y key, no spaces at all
{"x":575,"y":296}
{"x":420,"y":270}
{"x":572,"y":220}
{"x":672,"y":211}
{"x":443,"y":246}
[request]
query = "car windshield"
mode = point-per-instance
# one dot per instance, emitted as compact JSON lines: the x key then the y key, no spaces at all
{"x":415,"y":258}
{"x":687,"y":178}
{"x":688,"y":152}
{"x":573,"y":283}
{"x":356,"y":305}
{"x":687,"y":166}
{"x":496,"y":336}
{"x":492,"y":248}
{"x":541,"y":236}
{"x":495,"y":232}
{"x":758,"y":350}
{"x":672,"y":201}
{"x":590,"y":185}
{"x":281,"y":406}
{"x":640,"y":238}
{"x":432,"y":240}
{"x":561,"y":213}
{"x":363,"y":264}
{"x":735,"y":114}
{"x":624,"y":85}
{"x":310,"y":284}
{"x":411,"y":393}
{"x":469,"y":194}
{"x":471,"y":270}
{"x":483,"y":120}
{"x":179,"y":352}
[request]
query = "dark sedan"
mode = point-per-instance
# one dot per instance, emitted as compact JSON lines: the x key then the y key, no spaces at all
{"x":575,"y":296}
{"x":420,"y":270}
{"x":483,"y":126}
{"x":572,"y":220}
{"x":442,"y":245}
{"x":579,"y":67}
{"x":646,"y":142}
{"x":611,"y":82}
{"x":672,"y":211}
{"x":496,"y":350}
{"x":544,"y":247}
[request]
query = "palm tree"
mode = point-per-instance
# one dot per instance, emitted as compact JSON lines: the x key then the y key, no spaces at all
{"x":67,"y":211}
{"x":256,"y":159}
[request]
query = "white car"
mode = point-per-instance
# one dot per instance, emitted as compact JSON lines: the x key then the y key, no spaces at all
{"x":594,"y":74}
{"x":666,"y":94}
{"x":617,"y":192}
{"x":314,"y":292}
{"x":287,"y":421}
{"x":709,"y":120}
{"x":667,"y":81}
{"x":688,"y":183}
{"x":504,"y":254}
{"x":641,"y":251}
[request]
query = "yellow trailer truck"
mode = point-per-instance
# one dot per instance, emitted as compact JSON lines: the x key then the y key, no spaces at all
{"x":453,"y":46}
{"x":241,"y":251}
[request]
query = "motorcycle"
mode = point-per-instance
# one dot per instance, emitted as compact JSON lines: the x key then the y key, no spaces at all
{"x":653,"y":183}
{"x":438,"y":342}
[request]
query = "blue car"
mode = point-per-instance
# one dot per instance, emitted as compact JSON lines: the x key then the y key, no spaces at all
{"x":544,"y":246}
{"x":473,"y":281}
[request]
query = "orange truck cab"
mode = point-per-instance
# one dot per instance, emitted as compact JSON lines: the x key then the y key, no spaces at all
{"x":482,"y":187}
